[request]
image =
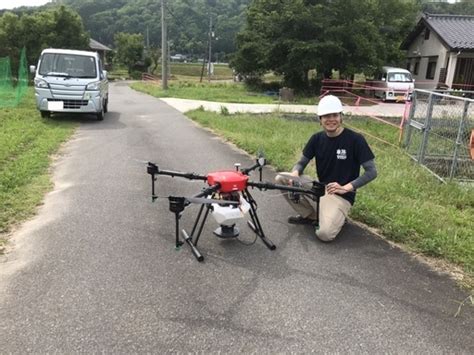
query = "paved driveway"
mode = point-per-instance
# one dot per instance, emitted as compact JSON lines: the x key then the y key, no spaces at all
{"x":382,"y":109}
{"x":96,"y":270}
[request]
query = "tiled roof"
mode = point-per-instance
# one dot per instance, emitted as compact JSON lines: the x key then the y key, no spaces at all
{"x":93,"y":44}
{"x":456,"y":30}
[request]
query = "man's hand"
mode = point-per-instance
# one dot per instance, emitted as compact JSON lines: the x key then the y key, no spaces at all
{"x":335,"y":188}
{"x":294,"y":173}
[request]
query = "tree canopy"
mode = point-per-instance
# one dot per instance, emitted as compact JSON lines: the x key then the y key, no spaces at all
{"x":463,"y":7}
{"x":59,"y":27}
{"x":129,"y":48}
{"x":291,"y":37}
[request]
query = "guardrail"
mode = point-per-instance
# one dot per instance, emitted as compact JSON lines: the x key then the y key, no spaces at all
{"x":150,"y":77}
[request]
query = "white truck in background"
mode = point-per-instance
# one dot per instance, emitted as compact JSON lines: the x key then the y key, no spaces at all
{"x":70,"y":81}
{"x":394,"y":84}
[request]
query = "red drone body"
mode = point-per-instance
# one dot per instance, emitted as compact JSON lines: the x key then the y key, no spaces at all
{"x":228,"y":180}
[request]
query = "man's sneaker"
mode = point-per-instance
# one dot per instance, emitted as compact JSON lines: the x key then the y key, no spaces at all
{"x":300,"y":220}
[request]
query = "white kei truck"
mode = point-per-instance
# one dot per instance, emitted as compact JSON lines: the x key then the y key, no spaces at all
{"x":70,"y":81}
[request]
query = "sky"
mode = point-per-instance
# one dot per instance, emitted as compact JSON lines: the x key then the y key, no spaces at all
{"x":10,"y":4}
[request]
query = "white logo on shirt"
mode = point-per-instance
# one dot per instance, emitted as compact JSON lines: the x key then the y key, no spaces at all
{"x":341,"y":154}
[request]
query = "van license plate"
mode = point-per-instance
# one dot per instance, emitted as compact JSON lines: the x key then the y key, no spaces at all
{"x":55,"y":105}
{"x":400,"y":98}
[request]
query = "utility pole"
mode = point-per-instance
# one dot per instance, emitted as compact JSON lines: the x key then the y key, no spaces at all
{"x":164,"y":48}
{"x":147,"y":38}
{"x":210,"y":48}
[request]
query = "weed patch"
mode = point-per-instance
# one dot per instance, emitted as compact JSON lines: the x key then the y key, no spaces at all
{"x":26,"y":144}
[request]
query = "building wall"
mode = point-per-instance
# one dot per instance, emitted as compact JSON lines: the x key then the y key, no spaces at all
{"x":423,"y":51}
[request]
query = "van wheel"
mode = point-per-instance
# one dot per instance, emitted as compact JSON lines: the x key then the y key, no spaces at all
{"x":45,"y":114}
{"x":100,"y":115}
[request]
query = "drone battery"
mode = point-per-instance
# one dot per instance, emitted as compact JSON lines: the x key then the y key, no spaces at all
{"x":228,"y":180}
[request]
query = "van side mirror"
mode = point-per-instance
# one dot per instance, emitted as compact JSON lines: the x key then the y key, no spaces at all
{"x":104,"y":73}
{"x":384,"y":79}
{"x":32,"y":69}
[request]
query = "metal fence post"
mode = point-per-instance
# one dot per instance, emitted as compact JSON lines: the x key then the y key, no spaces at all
{"x":458,"y":140}
{"x":410,"y":118}
{"x":426,"y":131}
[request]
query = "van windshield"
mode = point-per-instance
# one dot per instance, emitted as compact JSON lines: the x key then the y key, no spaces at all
{"x":68,"y":65}
{"x":400,"y":77}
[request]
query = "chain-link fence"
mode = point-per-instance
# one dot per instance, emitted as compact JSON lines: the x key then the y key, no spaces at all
{"x":13,"y":89}
{"x":438,"y":131}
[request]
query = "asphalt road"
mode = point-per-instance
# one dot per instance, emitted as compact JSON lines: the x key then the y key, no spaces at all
{"x":96,"y":270}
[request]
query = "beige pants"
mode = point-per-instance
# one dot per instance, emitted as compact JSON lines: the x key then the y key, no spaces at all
{"x":333,"y":210}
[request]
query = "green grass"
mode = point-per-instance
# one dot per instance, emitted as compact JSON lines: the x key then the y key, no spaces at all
{"x":218,"y":92}
{"x":221,"y":71}
{"x":26,"y":144}
{"x":406,"y":203}
{"x":190,"y":71}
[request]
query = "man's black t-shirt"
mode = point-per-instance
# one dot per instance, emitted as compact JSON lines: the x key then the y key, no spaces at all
{"x":338,"y":159}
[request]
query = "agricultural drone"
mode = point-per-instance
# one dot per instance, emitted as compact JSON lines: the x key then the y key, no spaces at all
{"x":227,"y":198}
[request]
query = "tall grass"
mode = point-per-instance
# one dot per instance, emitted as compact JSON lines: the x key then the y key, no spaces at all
{"x":26,"y":144}
{"x":405,"y":202}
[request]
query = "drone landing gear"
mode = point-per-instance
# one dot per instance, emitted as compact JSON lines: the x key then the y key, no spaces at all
{"x":178,"y":204}
{"x":254,"y":223}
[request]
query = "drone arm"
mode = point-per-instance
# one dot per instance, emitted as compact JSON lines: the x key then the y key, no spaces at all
{"x":248,"y":170}
{"x":208,"y":191}
{"x":260,"y":162}
{"x":317,"y":190}
{"x":154,"y":169}
{"x":189,"y":176}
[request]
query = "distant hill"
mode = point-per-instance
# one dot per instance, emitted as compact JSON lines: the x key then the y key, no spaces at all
{"x":188,"y":22}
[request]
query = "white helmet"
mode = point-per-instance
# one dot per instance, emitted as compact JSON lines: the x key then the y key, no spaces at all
{"x":329,"y":104}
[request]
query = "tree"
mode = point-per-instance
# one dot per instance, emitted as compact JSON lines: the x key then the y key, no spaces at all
{"x":154,"y":55}
{"x":58,"y":27}
{"x":290,"y":37}
{"x":464,"y":7}
{"x":129,"y":49}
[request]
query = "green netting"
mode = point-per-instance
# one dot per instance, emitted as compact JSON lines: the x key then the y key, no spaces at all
{"x":12,"y":89}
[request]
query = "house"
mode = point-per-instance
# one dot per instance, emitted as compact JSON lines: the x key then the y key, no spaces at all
{"x":99,"y":48}
{"x":440,"y":52}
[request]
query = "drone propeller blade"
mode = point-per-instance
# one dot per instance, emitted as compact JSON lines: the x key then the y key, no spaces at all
{"x":141,"y":161}
{"x":300,"y":179}
{"x":203,"y":200}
